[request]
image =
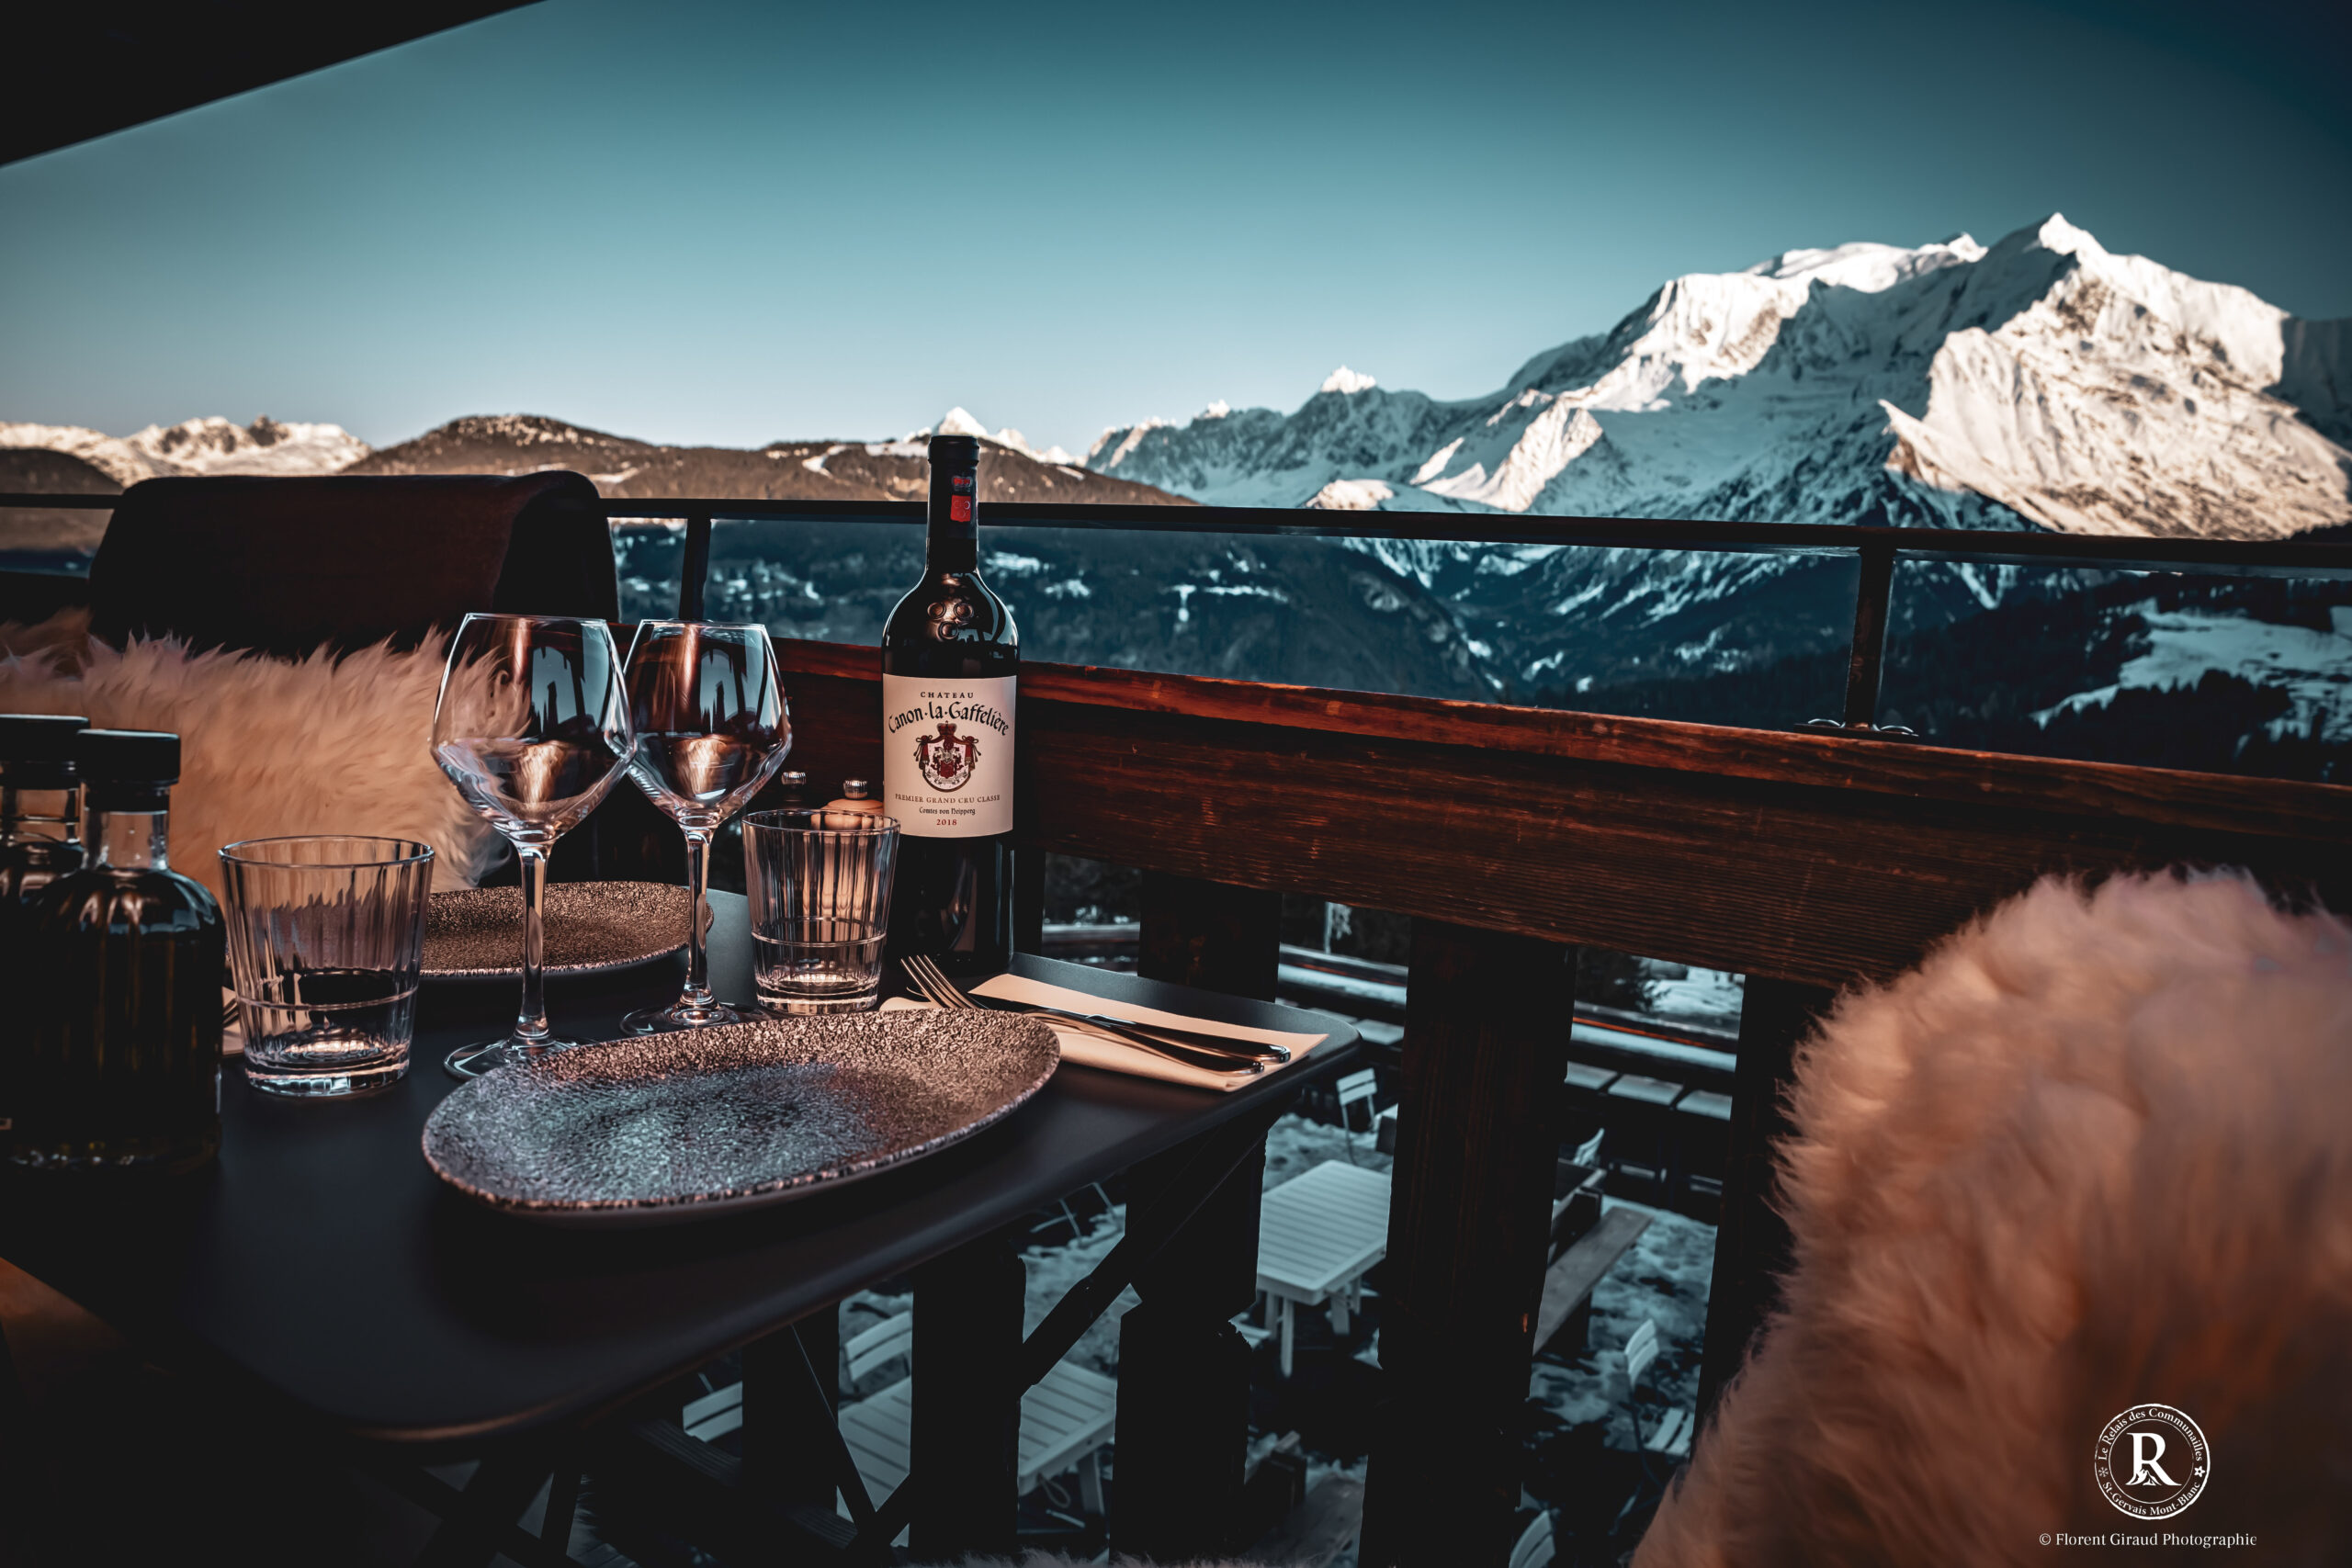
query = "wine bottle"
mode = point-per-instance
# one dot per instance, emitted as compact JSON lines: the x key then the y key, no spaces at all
{"x":951,"y":660}
{"x":120,"y":1063}
{"x":39,"y":804}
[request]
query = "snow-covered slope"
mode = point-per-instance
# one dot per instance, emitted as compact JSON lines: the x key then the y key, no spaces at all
{"x":2042,"y":381}
{"x":212,"y":445}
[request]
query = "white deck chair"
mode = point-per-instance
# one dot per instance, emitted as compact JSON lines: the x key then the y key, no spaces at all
{"x":1065,"y":1420}
{"x":1357,"y":1088}
{"x":1673,"y":1435}
{"x":1536,"y":1548}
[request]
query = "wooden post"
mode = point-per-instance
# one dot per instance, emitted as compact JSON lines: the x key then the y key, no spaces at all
{"x":1752,"y":1241}
{"x":1865,"y":661}
{"x":1183,"y":1424}
{"x":1487,"y":1026}
{"x":693,"y":568}
{"x":965,"y":1442}
{"x":1211,"y":935}
{"x":788,"y":1455}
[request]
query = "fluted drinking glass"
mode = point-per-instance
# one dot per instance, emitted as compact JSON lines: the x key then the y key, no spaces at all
{"x":533,"y":728}
{"x":711,"y":725}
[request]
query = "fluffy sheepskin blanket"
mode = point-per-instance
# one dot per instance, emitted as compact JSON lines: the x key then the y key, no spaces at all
{"x":267,"y":746}
{"x":2097,"y":1152}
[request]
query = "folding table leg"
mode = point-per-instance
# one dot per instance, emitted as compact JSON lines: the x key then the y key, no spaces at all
{"x":563,"y":1507}
{"x":1183,"y":1370}
{"x":1290,"y":1317}
{"x":787,"y":1438}
{"x":966,"y":1437}
{"x":470,"y":1537}
{"x":1339,"y":1312}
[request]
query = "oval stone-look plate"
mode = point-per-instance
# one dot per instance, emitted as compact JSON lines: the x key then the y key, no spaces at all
{"x":475,"y":933}
{"x":661,"y":1128}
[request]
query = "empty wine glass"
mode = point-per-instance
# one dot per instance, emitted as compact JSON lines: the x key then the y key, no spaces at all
{"x":711,"y":729}
{"x":533,"y":730}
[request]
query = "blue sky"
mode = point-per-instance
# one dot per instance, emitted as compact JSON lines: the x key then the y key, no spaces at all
{"x":702,"y":222}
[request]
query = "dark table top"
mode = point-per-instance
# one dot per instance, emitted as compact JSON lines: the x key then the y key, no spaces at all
{"x":320,"y":1266}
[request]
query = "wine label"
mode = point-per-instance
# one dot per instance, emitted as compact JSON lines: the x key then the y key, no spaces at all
{"x":947,"y":755}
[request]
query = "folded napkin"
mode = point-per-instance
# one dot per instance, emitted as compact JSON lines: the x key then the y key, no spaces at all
{"x":1088,"y":1048}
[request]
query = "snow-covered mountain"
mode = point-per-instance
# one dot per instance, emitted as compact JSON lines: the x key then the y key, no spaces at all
{"x":956,"y":422}
{"x":2041,"y":381}
{"x":212,"y":445}
{"x":802,"y":470}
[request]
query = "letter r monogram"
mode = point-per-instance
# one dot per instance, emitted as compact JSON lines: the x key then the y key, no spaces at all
{"x":2146,"y":1448}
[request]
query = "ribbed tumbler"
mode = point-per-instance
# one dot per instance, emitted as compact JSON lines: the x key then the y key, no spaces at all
{"x":819,"y":887}
{"x":326,"y":944}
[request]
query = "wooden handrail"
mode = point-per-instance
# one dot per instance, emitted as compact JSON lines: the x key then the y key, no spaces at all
{"x":1909,"y":769}
{"x":1815,"y":859}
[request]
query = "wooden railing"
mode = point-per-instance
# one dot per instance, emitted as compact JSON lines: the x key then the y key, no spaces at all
{"x":1808,"y":862}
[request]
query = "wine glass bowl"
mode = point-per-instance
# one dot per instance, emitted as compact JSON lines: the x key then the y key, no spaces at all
{"x":708,"y":710}
{"x":532,"y":728}
{"x":529,"y":787}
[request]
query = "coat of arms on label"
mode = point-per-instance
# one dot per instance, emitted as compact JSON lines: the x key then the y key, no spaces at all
{"x":947,"y":758}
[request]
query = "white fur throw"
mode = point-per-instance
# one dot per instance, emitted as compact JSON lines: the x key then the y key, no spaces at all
{"x":267,"y":746}
{"x":2096,"y":1152}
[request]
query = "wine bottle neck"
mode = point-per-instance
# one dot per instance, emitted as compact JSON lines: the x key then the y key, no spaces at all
{"x":953,"y":514}
{"x":132,"y":840}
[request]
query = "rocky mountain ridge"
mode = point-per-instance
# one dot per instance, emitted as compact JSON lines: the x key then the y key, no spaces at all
{"x":2043,"y":381}
{"x":782,"y":470}
{"x":196,"y":446}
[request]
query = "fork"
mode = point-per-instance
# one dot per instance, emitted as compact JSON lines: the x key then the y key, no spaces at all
{"x":944,"y":993}
{"x":1160,"y":1034}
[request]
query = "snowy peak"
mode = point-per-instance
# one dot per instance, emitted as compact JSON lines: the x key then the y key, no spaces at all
{"x":209,"y":445}
{"x":956,"y":422}
{"x":2042,"y":381}
{"x":1869,"y":267}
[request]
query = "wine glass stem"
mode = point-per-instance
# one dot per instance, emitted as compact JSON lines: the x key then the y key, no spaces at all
{"x":531,"y":1022}
{"x":697,"y":992}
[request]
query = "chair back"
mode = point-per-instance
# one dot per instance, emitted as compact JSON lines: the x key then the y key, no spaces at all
{"x":287,"y":565}
{"x":1589,"y":1151}
{"x":1356,"y":1086}
{"x":1536,"y":1547}
{"x":884,"y":1343}
{"x":1640,"y":1350}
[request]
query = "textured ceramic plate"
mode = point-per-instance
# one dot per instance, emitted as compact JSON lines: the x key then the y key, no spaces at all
{"x":666,"y":1127}
{"x":591,"y":927}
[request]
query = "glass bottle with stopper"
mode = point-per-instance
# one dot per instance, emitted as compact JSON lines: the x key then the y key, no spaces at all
{"x":857,"y":794}
{"x":119,"y":1066}
{"x":40,"y":802}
